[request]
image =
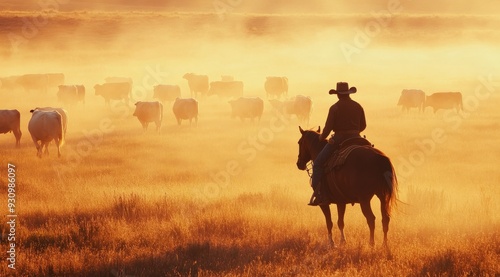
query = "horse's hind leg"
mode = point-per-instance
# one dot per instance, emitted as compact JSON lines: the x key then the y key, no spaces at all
{"x":385,"y":218}
{"x":329,"y":224}
{"x":340,"y":221}
{"x":370,"y":219}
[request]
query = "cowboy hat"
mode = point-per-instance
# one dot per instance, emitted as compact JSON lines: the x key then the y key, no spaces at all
{"x":343,"y":88}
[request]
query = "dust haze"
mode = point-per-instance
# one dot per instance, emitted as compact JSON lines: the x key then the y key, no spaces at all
{"x":379,"y":48}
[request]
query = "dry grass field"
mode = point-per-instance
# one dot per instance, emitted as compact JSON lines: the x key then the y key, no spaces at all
{"x":224,"y":197}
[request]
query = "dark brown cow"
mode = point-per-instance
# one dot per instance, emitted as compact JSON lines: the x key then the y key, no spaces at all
{"x":10,"y":121}
{"x":444,"y":100}
{"x":197,"y":83}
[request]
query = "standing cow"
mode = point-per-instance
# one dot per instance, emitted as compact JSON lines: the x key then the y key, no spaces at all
{"x":45,"y":126}
{"x":114,"y":91}
{"x":166,"y":93}
{"x":226,"y":89}
{"x":10,"y":121}
{"x":247,"y":107}
{"x":61,"y":111}
{"x":70,"y":95}
{"x":80,"y":89}
{"x":9,"y":83}
{"x":300,"y":106}
{"x":412,"y":98}
{"x":34,"y":82}
{"x":444,"y":100}
{"x":186,"y":109}
{"x":276,"y":86}
{"x":197,"y":83}
{"x":149,"y":112}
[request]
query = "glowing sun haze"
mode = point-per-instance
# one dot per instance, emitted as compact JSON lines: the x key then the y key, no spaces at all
{"x":293,"y":6}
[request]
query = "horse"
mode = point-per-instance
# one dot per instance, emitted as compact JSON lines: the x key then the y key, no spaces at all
{"x":366,"y":172}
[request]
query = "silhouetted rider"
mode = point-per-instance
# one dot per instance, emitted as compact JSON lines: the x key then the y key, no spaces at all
{"x":346,"y":118}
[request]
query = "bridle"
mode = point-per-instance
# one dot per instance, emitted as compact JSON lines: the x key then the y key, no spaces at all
{"x":305,"y":160}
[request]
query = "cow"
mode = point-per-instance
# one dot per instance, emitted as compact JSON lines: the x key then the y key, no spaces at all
{"x":300,"y":106}
{"x":247,"y":107}
{"x":226,"y":89}
{"x":61,"y":111}
{"x":412,"y":98}
{"x":36,"y":82}
{"x":226,"y":78}
{"x":276,"y":86}
{"x":10,"y":121}
{"x":114,"y":91}
{"x":197,"y":83}
{"x":71,"y":94}
{"x":166,"y":93}
{"x":149,"y":112}
{"x":80,"y":89}
{"x":45,"y":126}
{"x":185,"y":108}
{"x":9,"y":83}
{"x":444,"y":100}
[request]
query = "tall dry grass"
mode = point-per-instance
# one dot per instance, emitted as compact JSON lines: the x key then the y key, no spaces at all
{"x":145,"y":204}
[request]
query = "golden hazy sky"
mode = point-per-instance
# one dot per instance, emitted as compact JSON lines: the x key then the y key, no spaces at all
{"x":265,"y":6}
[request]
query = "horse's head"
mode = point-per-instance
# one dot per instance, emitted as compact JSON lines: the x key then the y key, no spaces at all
{"x":307,"y":145}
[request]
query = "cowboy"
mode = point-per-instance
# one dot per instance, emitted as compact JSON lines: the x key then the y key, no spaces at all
{"x":346,"y":119}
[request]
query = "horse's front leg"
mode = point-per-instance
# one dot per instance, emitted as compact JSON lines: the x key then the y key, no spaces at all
{"x":340,"y":221}
{"x":329,"y":224}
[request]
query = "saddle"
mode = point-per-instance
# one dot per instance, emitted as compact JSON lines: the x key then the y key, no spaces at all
{"x":339,"y":157}
{"x":333,"y":193}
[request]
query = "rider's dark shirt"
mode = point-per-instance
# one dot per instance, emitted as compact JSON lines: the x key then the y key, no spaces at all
{"x":346,"y":115}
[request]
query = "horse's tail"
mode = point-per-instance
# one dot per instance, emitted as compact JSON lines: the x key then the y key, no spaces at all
{"x":391,"y":182}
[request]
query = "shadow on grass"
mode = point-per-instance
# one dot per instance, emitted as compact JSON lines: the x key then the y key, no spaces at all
{"x":193,"y":258}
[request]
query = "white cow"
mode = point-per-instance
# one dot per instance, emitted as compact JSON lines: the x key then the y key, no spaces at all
{"x":149,"y":112}
{"x":45,"y":126}
{"x":61,"y":111}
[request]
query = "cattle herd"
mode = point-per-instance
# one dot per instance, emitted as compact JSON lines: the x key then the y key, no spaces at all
{"x":49,"y":124}
{"x":414,"y":98}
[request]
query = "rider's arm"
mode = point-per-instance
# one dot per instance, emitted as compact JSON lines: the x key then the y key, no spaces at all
{"x":329,"y":124}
